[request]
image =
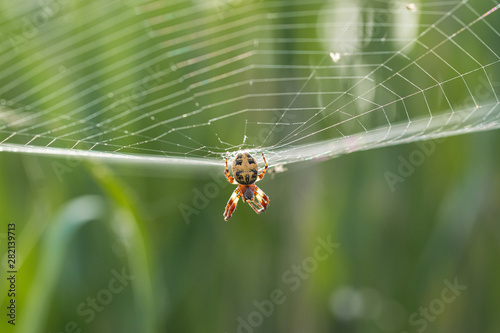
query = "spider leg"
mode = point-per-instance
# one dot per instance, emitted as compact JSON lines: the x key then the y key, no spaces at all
{"x":255,"y":206}
{"x":261,"y":175}
{"x":231,"y":204}
{"x":260,"y":201}
{"x":261,"y":197}
{"x":228,"y":176}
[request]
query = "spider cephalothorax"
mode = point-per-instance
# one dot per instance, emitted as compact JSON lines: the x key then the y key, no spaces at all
{"x":246,"y":173}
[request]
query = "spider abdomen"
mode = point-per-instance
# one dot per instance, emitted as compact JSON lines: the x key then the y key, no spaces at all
{"x":245,"y":169}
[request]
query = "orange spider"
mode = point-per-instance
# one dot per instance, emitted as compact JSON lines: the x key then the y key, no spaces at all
{"x":245,"y":172}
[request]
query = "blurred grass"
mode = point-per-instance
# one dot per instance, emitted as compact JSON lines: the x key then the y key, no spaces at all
{"x":441,"y":223}
{"x":73,"y":215}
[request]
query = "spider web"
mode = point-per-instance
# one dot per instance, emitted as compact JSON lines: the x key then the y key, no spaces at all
{"x":194,"y":81}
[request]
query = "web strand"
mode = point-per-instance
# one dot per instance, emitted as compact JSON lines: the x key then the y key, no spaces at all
{"x":185,"y":82}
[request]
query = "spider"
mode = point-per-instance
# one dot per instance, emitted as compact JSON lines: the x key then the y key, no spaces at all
{"x":245,"y":172}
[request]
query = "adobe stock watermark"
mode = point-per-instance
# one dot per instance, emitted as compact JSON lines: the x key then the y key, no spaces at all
{"x":132,"y":99}
{"x":427,"y":314}
{"x":275,"y":126}
{"x":222,"y":6}
{"x":72,"y":161}
{"x":292,"y":279}
{"x":61,"y":168}
{"x":33,"y":22}
{"x":93,"y":305}
{"x":408,"y":165}
{"x":203,"y":195}
{"x":122,"y":103}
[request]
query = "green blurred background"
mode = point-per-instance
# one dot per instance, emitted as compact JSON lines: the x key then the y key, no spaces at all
{"x":82,"y":223}
{"x":396,"y":248}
